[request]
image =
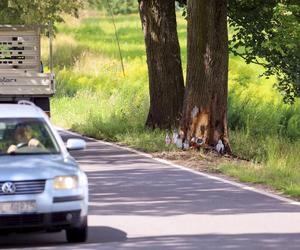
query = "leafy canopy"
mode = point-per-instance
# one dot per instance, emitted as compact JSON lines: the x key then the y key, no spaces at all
{"x":268,"y":33}
{"x":37,"y":11}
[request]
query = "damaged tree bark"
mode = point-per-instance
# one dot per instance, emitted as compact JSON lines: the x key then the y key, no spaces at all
{"x":166,"y":81}
{"x":205,"y":103}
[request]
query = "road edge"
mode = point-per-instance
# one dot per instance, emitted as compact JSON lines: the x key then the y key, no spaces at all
{"x":209,"y":176}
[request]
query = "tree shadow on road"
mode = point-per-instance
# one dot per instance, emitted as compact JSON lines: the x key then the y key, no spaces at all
{"x":169,"y":242}
{"x":215,"y":242}
{"x":168,"y":192}
{"x":122,"y":182}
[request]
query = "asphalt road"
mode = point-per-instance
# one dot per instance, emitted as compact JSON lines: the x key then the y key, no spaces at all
{"x":140,"y":203}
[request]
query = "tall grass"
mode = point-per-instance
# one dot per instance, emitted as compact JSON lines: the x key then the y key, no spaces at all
{"x":94,"y":98}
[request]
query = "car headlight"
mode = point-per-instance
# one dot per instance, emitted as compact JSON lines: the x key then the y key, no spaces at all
{"x":66,"y":182}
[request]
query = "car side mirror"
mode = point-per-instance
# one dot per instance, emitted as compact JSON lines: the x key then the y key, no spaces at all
{"x":76,"y":144}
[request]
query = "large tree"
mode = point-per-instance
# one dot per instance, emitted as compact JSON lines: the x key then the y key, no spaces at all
{"x":205,"y":103}
{"x":166,"y":82}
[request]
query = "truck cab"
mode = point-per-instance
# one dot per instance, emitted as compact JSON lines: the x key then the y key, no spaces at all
{"x":22,"y":75}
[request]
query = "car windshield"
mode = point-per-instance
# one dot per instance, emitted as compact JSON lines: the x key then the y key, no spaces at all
{"x":26,"y":136}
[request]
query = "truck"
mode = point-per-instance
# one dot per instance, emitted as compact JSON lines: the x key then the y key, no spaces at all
{"x":22,"y":75}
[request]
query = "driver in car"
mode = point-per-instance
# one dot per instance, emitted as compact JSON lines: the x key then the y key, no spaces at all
{"x":23,"y":137}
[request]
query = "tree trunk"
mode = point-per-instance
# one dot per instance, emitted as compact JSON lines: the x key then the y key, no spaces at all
{"x":166,"y":82}
{"x":205,"y":103}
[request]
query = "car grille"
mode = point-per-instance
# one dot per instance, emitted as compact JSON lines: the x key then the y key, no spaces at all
{"x":21,"y":220}
{"x":26,"y":187}
{"x":39,"y":220}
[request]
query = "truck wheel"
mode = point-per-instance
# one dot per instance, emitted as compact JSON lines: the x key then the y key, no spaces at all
{"x":78,"y":234}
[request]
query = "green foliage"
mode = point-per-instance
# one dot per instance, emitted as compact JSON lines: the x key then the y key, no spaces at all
{"x":269,"y":30}
{"x":36,"y":11}
{"x":255,"y":108}
{"x":117,"y":6}
{"x":293,"y":126}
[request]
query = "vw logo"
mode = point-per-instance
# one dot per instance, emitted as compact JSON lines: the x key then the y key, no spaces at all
{"x":9,"y":188}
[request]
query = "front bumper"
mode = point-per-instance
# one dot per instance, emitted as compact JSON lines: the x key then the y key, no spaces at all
{"x":36,"y":222}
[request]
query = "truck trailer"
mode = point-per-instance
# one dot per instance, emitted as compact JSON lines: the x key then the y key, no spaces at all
{"x":22,"y":75}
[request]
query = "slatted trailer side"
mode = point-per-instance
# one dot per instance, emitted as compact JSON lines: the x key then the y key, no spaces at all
{"x":21,"y":70}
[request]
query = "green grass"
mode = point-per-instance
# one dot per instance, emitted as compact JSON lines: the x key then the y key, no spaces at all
{"x":275,"y":162}
{"x":95,"y":99}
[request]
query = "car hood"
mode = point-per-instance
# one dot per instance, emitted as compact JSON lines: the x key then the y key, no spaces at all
{"x":17,"y":168}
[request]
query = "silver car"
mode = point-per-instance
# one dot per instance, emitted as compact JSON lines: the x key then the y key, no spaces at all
{"x":41,"y":185}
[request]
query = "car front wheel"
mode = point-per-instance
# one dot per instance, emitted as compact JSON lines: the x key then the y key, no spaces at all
{"x":78,"y":234}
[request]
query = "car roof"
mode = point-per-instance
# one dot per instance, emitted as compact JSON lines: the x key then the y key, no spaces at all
{"x":20,"y":111}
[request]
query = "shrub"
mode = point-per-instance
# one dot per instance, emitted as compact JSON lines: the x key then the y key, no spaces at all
{"x":117,"y":6}
{"x":293,"y":127}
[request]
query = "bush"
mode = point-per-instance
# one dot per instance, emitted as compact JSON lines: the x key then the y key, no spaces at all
{"x":117,"y":6}
{"x":124,"y":6}
{"x":293,"y":127}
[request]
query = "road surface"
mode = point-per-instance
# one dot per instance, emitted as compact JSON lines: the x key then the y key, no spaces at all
{"x":140,"y":203}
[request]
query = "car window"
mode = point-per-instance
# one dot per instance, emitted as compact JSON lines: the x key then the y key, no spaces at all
{"x":26,"y":136}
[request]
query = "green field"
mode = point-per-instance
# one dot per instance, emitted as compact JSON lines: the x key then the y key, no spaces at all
{"x":94,"y":98}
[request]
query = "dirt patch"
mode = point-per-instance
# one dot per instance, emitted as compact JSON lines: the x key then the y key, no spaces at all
{"x":197,"y":160}
{"x":192,"y":159}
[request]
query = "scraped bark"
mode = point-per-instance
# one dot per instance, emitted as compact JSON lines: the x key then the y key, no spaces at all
{"x":205,"y":103}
